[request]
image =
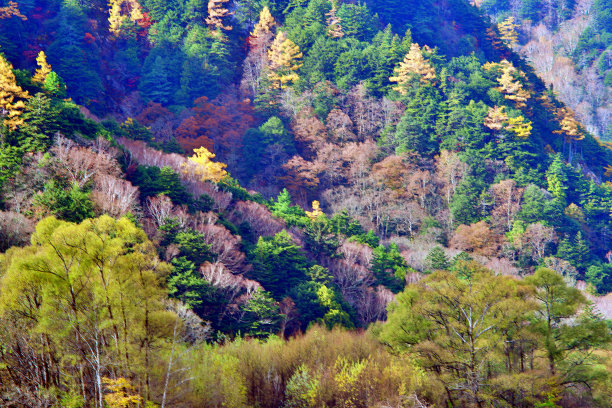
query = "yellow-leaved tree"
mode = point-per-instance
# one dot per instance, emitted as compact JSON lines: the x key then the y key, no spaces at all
{"x":117,"y":14}
{"x":284,"y":60}
{"x":414,"y":65}
{"x":265,"y":24}
{"x":509,"y":85}
{"x":201,"y":164}
{"x":334,"y":27}
{"x":43,"y":70}
{"x":569,"y":128}
{"x":121,"y":394}
{"x":507,"y":30}
{"x":216,"y":13}
{"x":11,"y":96}
{"x":316,"y":211}
{"x":520,"y":126}
{"x":497,"y":119}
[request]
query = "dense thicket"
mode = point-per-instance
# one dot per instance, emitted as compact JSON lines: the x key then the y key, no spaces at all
{"x":187,"y":187}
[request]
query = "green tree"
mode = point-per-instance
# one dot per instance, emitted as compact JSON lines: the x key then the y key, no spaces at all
{"x":457,"y":329}
{"x":436,"y":260}
{"x":70,"y":204}
{"x":571,"y":331}
{"x":263,"y":315}
{"x":389,"y":267}
{"x":278,"y":264}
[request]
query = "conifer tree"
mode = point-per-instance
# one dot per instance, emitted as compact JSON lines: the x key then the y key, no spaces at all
{"x":557,"y":178}
{"x":116,"y":17}
{"x":507,"y":29}
{"x":414,"y":64}
{"x":512,"y":89}
{"x":43,"y":70}
{"x":11,"y":96}
{"x":265,"y":24}
{"x":316,"y":211}
{"x":284,"y":56}
{"x":520,"y":126}
{"x":11,"y":10}
{"x":569,"y":128}
{"x":216,"y":13}
{"x":334,"y":27}
{"x":496,"y":118}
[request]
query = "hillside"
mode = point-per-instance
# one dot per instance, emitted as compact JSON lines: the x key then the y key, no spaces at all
{"x":569,"y":44}
{"x":305,"y":203}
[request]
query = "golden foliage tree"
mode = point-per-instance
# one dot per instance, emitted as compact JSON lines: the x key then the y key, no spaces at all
{"x":11,"y":96}
{"x":284,"y":56}
{"x":316,"y":211}
{"x":204,"y":167}
{"x":11,"y":10}
{"x":520,"y":126}
{"x":120,"y":11}
{"x":510,"y":86}
{"x":507,"y":29}
{"x":121,"y":394}
{"x":334,"y":27}
{"x":496,"y":118}
{"x":43,"y":70}
{"x":216,"y":13}
{"x":569,"y":128}
{"x":414,"y":64}
{"x":265,"y":24}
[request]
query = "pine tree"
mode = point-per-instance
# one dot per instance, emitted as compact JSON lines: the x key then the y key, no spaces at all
{"x":43,"y":70}
{"x":496,"y":118}
{"x":334,"y":27}
{"x":265,"y":24}
{"x":11,"y":10}
{"x":507,"y":29}
{"x":414,"y":64}
{"x":216,"y":13}
{"x":557,"y":178}
{"x":116,"y":17}
{"x":511,"y":88}
{"x":520,"y":127}
{"x":436,"y":260}
{"x":284,"y":57}
{"x":11,"y":96}
{"x":569,"y":128}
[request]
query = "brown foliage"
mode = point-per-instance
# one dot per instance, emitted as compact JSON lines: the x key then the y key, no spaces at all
{"x":15,"y":230}
{"x":477,"y":238}
{"x":258,"y":217}
{"x":114,"y":196}
{"x":507,"y":199}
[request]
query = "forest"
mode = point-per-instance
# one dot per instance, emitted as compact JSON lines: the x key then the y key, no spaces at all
{"x":305,"y":203}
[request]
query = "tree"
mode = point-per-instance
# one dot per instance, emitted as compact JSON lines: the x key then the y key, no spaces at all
{"x":334,"y":27}
{"x":201,"y":164}
{"x":263,"y":315}
{"x":569,"y":128}
{"x":458,"y":328}
{"x":507,"y":30}
{"x":436,"y":260}
{"x":44,"y":69}
{"x":116,"y":17}
{"x":510,"y":87}
{"x":284,"y":56}
{"x":265,"y":25}
{"x":100,"y":302}
{"x":571,"y":331}
{"x":216,"y":13}
{"x":12,"y":96}
{"x":414,"y":65}
{"x":11,"y":10}
{"x":520,"y":127}
{"x":496,"y":118}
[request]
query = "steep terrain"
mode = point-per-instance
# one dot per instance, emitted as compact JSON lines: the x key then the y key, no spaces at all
{"x":187,"y":187}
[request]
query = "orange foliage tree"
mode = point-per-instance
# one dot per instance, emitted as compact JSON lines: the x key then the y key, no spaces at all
{"x":218,"y":125}
{"x":11,"y":10}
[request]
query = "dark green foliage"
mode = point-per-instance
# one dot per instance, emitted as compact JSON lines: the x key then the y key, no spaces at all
{"x":389,"y":267}
{"x":192,"y":246}
{"x":436,"y":260}
{"x":67,"y":203}
{"x":186,"y":284}
{"x":262,"y":315}
{"x":575,"y":251}
{"x":320,"y":238}
{"x":293,"y":215}
{"x":278,"y":264}
{"x":154,"y":181}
